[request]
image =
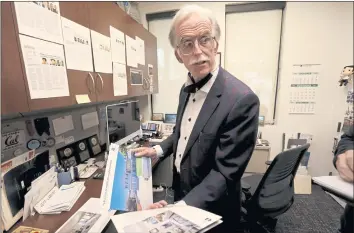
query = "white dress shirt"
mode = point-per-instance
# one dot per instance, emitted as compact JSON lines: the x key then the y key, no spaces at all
{"x":190,"y":115}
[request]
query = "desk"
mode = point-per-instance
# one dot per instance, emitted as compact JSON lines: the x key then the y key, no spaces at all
{"x":93,"y":189}
{"x":54,"y":222}
{"x":257,"y":163}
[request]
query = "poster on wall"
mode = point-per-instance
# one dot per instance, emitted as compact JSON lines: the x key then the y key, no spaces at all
{"x":120,"y":83}
{"x":45,"y":68}
{"x":77,"y":45}
{"x":118,"y":45}
{"x":102,"y":57}
{"x":39,"y":19}
{"x":303,"y":88}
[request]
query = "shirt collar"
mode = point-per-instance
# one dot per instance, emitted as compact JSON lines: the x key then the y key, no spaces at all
{"x":206,"y":88}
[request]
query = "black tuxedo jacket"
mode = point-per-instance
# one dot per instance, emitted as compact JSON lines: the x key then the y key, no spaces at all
{"x":219,"y":147}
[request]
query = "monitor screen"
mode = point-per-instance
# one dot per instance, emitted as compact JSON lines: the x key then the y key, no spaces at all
{"x":123,"y":122}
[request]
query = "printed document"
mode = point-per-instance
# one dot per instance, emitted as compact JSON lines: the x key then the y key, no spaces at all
{"x":127,"y":184}
{"x":40,"y":20}
{"x":45,"y":68}
{"x":120,"y":82}
{"x":140,"y":50}
{"x":132,"y":53}
{"x":77,"y":44}
{"x":170,"y":219}
{"x":102,"y":56}
{"x":118,"y":45}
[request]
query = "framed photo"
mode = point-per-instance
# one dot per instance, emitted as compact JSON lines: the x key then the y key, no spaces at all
{"x":218,"y":58}
{"x":157,"y":116}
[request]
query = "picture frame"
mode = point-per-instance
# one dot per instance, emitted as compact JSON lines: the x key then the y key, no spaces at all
{"x":157,"y":116}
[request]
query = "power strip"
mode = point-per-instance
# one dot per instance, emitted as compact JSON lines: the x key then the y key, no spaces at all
{"x":158,"y":189}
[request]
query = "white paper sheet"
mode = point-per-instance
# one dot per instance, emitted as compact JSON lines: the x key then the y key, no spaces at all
{"x":45,"y":68}
{"x":63,"y":124}
{"x":120,"y":82}
{"x":337,"y":184}
{"x":131,"y":46}
{"x":140,"y":50}
{"x":39,"y":188}
{"x":89,"y":120}
{"x":117,"y":45}
{"x":40,"y":20}
{"x":102,"y":56}
{"x":151,"y":77}
{"x":77,"y":45}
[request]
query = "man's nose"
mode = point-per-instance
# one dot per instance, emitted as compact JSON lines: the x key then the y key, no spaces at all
{"x":197,"y":49}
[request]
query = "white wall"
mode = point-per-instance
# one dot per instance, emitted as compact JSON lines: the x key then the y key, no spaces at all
{"x":313,"y":32}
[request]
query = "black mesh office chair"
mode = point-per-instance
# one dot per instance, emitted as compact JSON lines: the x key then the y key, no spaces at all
{"x":270,"y":195}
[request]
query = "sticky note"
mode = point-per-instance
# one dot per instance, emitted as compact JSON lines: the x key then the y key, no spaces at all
{"x":82,"y":99}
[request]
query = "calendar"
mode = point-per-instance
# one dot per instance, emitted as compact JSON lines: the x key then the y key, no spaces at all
{"x":303,"y":88}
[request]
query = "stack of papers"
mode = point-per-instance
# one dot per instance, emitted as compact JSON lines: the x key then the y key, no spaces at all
{"x":60,"y":199}
{"x":40,"y":187}
{"x":186,"y":219}
{"x":90,"y":218}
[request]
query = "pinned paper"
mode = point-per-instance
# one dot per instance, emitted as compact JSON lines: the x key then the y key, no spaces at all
{"x":89,"y":120}
{"x":82,"y":99}
{"x":63,"y":124}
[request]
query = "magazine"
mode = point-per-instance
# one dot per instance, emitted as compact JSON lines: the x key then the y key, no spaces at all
{"x":91,"y":217}
{"x":176,"y":219}
{"x":127,"y":184}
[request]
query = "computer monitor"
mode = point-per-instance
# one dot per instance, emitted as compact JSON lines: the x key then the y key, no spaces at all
{"x":123,"y":122}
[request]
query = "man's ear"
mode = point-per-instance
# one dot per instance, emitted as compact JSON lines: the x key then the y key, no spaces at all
{"x":179,"y":59}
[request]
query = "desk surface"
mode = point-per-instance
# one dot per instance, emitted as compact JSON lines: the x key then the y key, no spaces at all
{"x":54,"y":222}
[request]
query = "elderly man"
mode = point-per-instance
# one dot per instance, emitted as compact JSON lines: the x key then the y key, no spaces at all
{"x":343,"y":161}
{"x":217,"y":122}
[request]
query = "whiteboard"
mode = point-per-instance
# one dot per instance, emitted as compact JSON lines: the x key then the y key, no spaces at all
{"x":252,"y":51}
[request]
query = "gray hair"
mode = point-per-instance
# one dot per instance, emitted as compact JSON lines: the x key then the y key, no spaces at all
{"x":185,"y":12}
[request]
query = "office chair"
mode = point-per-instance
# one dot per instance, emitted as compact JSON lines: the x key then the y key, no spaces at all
{"x":272,"y":194}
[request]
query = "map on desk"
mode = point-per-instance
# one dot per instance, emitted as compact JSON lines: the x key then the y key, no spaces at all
{"x":127,"y":184}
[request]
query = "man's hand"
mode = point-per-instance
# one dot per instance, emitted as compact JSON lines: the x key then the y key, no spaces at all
{"x":344,"y":165}
{"x":157,"y":205}
{"x":145,"y":152}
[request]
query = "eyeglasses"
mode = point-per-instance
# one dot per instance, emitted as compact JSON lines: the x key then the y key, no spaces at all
{"x":187,"y":46}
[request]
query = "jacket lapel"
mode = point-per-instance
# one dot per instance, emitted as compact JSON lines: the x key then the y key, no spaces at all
{"x":210,"y":104}
{"x":183,"y":103}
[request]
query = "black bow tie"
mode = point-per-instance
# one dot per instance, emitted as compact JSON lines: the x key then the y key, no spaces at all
{"x":196,"y":85}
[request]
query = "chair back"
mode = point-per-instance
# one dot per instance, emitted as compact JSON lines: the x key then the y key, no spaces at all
{"x":275,"y":192}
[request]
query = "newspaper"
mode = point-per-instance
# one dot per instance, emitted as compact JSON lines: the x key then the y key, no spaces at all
{"x":127,"y":184}
{"x":90,"y":218}
{"x":186,"y":219}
